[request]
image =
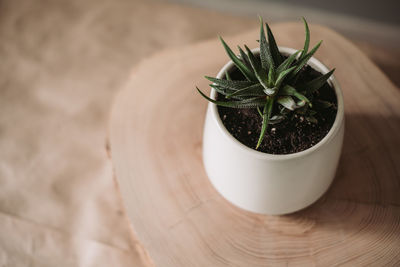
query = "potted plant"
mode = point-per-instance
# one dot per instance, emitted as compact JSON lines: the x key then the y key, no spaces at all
{"x":274,"y":127}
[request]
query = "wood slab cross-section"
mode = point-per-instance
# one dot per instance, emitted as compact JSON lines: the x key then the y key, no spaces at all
{"x":156,"y":134}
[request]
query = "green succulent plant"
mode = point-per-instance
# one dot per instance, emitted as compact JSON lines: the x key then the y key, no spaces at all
{"x":271,"y":81}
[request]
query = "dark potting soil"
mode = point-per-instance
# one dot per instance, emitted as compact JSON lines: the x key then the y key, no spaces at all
{"x":290,"y":136}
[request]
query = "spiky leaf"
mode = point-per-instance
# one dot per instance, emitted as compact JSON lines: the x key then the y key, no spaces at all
{"x":271,"y":77}
{"x":244,"y":57}
{"x":276,"y":55}
{"x":227,"y":76}
{"x":316,"y":83}
{"x":247,"y":103}
{"x":283,"y":75}
{"x":258,"y":71}
{"x":222,"y":90}
{"x":286,"y":64}
{"x":305,"y":59}
{"x":238,"y":63}
{"x":254,"y":90}
{"x":225,"y":92}
{"x":265,"y":54}
{"x":307,"y":40}
{"x":233,"y":85}
{"x":266,"y":115}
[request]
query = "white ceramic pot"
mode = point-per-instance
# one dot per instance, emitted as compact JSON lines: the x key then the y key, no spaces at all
{"x":266,"y":183}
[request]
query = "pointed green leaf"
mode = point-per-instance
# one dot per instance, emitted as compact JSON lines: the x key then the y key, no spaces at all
{"x":247,"y":103}
{"x":254,"y":90}
{"x":225,"y":92}
{"x":283,"y":75}
{"x":233,"y":85}
{"x":305,"y":59}
{"x":239,"y":97}
{"x":239,"y":64}
{"x":273,"y":48}
{"x":266,"y":115}
{"x":222,"y":90}
{"x":256,"y":67}
{"x":259,"y":112}
{"x":259,"y":72}
{"x":316,"y":84}
{"x":244,"y":57}
{"x":265,"y":54}
{"x":271,"y":78}
{"x":301,"y":63}
{"x":286,"y":64}
{"x":227,"y":76}
{"x":307,"y":40}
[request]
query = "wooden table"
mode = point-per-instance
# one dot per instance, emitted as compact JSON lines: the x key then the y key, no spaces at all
{"x":155,"y":138}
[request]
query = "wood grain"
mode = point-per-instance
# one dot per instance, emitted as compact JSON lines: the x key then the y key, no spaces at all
{"x":155,"y":137}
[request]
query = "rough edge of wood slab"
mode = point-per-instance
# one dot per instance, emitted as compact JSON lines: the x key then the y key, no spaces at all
{"x":140,"y":253}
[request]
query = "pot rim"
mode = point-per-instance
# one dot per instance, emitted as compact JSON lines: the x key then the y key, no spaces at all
{"x":339,"y":119}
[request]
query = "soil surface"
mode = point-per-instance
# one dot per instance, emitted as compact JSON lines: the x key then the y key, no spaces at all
{"x":293,"y":135}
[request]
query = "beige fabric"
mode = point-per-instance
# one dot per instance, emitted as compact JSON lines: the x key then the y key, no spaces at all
{"x":61,"y":63}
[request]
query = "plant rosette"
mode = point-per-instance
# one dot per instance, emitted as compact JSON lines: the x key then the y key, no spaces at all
{"x":265,"y":183}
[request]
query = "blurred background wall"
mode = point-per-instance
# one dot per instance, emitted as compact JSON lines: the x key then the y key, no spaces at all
{"x":375,"y":21}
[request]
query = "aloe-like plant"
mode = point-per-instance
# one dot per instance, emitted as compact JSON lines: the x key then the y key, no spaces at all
{"x":271,"y":82}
